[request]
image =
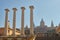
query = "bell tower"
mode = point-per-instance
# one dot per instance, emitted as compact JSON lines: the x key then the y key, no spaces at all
{"x":42,"y":23}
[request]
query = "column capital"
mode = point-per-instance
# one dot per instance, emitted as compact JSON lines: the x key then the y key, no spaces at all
{"x":14,"y":9}
{"x":23,"y":8}
{"x":32,"y":7}
{"x":7,"y":10}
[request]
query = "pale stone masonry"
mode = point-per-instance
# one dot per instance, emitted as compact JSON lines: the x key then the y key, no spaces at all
{"x":14,"y":21}
{"x":6,"y":22}
{"x":31,"y":20}
{"x":22,"y":21}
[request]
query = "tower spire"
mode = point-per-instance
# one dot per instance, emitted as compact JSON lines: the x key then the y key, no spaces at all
{"x":59,"y":24}
{"x":42,"y":23}
{"x":52,"y":25}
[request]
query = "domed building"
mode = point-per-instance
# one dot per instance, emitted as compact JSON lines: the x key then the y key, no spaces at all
{"x":42,"y":28}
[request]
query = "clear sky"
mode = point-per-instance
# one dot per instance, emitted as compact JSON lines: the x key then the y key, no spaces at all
{"x":46,"y":9}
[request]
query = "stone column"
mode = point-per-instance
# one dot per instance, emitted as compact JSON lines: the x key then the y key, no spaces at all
{"x":6,"y":22}
{"x":31,"y":20}
{"x":22,"y":21}
{"x":14,"y":21}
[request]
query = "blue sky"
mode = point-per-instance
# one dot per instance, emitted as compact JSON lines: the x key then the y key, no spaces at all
{"x":46,"y":9}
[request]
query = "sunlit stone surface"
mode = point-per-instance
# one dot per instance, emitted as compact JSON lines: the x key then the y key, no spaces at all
{"x":41,"y":32}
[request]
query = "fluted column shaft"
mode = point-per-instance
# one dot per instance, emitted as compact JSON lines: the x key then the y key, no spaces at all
{"x":14,"y":21}
{"x":6,"y":22}
{"x":31,"y":20}
{"x":22,"y":21}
